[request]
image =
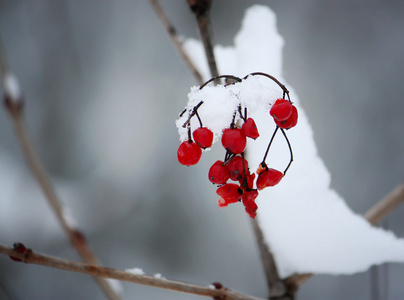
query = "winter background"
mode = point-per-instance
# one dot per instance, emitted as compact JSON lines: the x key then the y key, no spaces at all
{"x":104,"y":85}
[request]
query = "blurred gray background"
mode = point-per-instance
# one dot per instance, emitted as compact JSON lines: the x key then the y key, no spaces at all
{"x":103,"y":86}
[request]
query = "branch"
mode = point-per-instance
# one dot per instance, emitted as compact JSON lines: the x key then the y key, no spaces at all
{"x":201,"y":9}
{"x":22,"y":254}
{"x":175,"y":39}
{"x":385,"y":206}
{"x":14,"y":105}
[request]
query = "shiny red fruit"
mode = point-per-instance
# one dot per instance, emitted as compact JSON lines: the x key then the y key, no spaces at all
{"x":269,"y":177}
{"x":249,"y":128}
{"x":229,"y":193}
{"x":246,"y":185}
{"x":234,"y":140}
{"x":236,"y":169}
{"x":189,"y":153}
{"x":289,"y":122}
{"x":203,"y":137}
{"x":249,"y":202}
{"x":218,"y":173}
{"x":281,"y":110}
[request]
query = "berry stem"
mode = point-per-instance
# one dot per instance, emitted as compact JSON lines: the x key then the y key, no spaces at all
{"x":193,"y":112}
{"x":290,"y":150}
{"x":199,"y":118}
{"x":245,"y":172}
{"x":218,"y":77}
{"x":269,"y":146}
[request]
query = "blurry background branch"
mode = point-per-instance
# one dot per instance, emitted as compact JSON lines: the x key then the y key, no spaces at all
{"x":20,"y":253}
{"x":201,"y":10}
{"x":175,"y":39}
{"x":14,"y":104}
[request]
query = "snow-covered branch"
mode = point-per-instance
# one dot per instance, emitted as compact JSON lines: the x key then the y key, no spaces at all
{"x":22,"y":254}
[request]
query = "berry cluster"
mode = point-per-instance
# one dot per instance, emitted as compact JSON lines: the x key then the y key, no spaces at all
{"x":235,"y":167}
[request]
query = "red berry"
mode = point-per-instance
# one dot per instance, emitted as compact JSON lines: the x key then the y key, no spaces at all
{"x":245,"y":185}
{"x":218,"y":173}
{"x":269,"y":177}
{"x":203,"y":137}
{"x":189,"y":153}
{"x":250,"y":129}
{"x":281,"y":110}
{"x":289,"y":122}
{"x":236,"y":169}
{"x":234,"y":140}
{"x":249,"y":202}
{"x":229,"y":193}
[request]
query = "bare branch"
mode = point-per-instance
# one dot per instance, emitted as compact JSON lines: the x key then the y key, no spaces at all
{"x":201,"y":9}
{"x":175,"y":39}
{"x":15,"y":106}
{"x":20,"y":253}
{"x":385,"y":206}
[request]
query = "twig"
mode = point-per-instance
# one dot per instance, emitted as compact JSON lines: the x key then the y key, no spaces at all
{"x":382,"y":208}
{"x":175,"y":39}
{"x":201,"y":9}
{"x":375,"y":214}
{"x":15,"y":106}
{"x":30,"y":257}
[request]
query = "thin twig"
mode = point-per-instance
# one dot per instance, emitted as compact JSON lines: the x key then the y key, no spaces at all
{"x":389,"y":203}
{"x":30,"y":257}
{"x":374,"y":215}
{"x":15,"y":107}
{"x":175,"y":39}
{"x":201,"y":9}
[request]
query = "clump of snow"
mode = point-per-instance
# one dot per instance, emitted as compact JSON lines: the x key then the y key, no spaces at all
{"x":255,"y":93}
{"x":12,"y":87}
{"x":135,"y":271}
{"x":115,"y":285}
{"x":158,"y":276}
{"x":309,"y":227}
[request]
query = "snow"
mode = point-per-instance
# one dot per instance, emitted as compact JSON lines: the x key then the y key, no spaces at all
{"x":135,"y":271}
{"x":158,"y":276}
{"x":12,"y":87}
{"x":115,"y":285}
{"x":309,"y":227}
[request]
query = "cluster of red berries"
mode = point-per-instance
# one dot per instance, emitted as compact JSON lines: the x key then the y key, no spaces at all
{"x":234,"y":167}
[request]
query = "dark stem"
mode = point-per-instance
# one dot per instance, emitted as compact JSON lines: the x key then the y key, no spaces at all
{"x":175,"y":39}
{"x":194,"y":111}
{"x":269,"y":146}
{"x":201,"y":9}
{"x":290,"y":150}
{"x":218,"y":77}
